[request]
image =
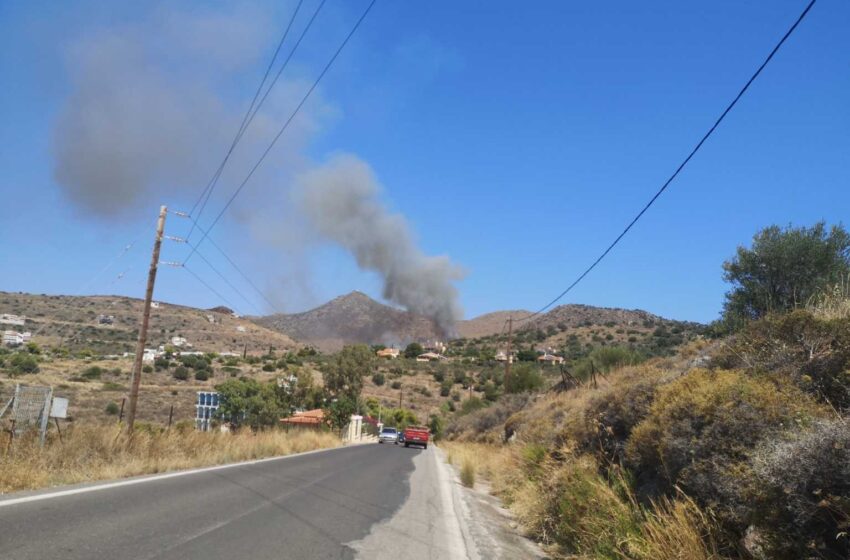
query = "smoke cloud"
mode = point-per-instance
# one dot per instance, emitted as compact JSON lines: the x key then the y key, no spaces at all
{"x":341,"y":200}
{"x":147,"y":117}
{"x":151,"y":111}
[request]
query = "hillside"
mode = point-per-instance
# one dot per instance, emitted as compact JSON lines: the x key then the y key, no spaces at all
{"x":357,"y":318}
{"x":352,"y":318}
{"x":73,"y":322}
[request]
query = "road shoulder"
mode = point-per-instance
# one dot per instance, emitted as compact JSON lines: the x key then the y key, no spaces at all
{"x":489,"y":528}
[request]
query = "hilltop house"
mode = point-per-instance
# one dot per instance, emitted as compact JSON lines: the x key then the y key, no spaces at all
{"x":388,"y":353}
{"x":9,"y":319}
{"x":179,"y":342}
{"x":430,"y":357}
{"x":501,"y":356}
{"x":548,"y":358}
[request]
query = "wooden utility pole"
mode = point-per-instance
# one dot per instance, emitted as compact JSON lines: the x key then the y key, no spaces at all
{"x":146,"y":315}
{"x":508,"y":353}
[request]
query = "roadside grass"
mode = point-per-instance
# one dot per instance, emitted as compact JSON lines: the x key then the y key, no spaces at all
{"x":91,"y":453}
{"x":573,"y":507}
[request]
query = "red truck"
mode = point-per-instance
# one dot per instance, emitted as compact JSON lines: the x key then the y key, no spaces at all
{"x":416,"y":435}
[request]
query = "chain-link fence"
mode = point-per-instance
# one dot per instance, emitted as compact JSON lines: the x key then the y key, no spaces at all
{"x":27,"y":409}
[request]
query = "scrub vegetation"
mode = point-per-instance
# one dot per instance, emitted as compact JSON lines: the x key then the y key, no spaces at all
{"x":738,"y":446}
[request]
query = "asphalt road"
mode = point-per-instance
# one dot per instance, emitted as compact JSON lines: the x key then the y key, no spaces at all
{"x":344,"y":503}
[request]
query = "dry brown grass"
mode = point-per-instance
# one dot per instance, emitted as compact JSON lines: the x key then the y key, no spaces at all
{"x":89,"y":453}
{"x":832,"y":303}
{"x":677,"y":530}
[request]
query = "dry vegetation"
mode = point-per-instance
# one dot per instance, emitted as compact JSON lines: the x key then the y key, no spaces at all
{"x":88,"y":453}
{"x":748,"y":458}
{"x":72,"y":322}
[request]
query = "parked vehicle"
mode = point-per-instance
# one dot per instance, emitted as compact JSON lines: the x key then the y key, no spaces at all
{"x":416,"y":435}
{"x":388,"y":435}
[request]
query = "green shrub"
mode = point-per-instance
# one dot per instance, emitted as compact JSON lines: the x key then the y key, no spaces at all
{"x":268,"y":367}
{"x":112,"y":408}
{"x":467,"y":473}
{"x":811,"y":352}
{"x":147,"y":369}
{"x":181,"y":373}
{"x":701,"y":430}
{"x":471,"y":405}
{"x":378,"y":379}
{"x":523,"y":378}
{"x":23,"y":363}
{"x":446,"y":387}
{"x":202,"y":374}
{"x":396,"y":384}
{"x":94,"y":372}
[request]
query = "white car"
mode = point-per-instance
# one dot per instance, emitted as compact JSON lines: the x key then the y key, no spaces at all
{"x":388,"y":435}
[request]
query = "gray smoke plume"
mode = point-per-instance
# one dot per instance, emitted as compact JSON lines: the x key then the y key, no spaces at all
{"x":341,"y":200}
{"x":147,"y":118}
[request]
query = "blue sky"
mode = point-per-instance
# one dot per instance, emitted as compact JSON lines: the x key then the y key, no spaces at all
{"x":516,"y":141}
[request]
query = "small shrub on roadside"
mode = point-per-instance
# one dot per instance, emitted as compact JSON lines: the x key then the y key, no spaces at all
{"x":181,"y":373}
{"x":467,"y":474}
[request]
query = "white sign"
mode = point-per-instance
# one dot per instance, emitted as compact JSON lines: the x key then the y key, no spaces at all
{"x":59,"y":408}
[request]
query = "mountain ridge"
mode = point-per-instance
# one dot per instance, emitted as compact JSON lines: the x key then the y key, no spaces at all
{"x":357,"y":318}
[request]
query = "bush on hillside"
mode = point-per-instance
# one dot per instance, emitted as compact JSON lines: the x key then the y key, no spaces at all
{"x":22,"y":363}
{"x":523,"y":378}
{"x":803,"y":492}
{"x":612,"y":414}
{"x":811,"y":352}
{"x":701,"y":430}
{"x":181,"y":373}
{"x":479,"y":424}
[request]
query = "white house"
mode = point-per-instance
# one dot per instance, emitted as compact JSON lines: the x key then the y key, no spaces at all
{"x":9,"y":319}
{"x":501,"y":356}
{"x":179,"y":341}
{"x":548,"y":358}
{"x":430,"y":357}
{"x":13,"y":338}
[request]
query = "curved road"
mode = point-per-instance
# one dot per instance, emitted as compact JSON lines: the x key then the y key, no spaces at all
{"x":368,"y":501}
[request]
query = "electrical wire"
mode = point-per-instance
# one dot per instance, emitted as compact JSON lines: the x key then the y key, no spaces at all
{"x":285,"y":125}
{"x":678,"y":169}
{"x":236,"y":267}
{"x":246,"y":120}
{"x":226,"y":281}
{"x":209,"y":287}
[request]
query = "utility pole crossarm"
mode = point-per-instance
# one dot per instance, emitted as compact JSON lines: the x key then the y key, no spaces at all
{"x":146,"y":315}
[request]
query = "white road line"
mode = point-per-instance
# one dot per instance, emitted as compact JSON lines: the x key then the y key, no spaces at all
{"x":131,"y":482}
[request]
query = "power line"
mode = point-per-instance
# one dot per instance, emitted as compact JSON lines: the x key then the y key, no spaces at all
{"x":678,"y":169}
{"x":236,"y":267}
{"x":285,"y":125}
{"x":226,"y":281}
{"x":246,"y":120}
{"x":207,"y":286}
